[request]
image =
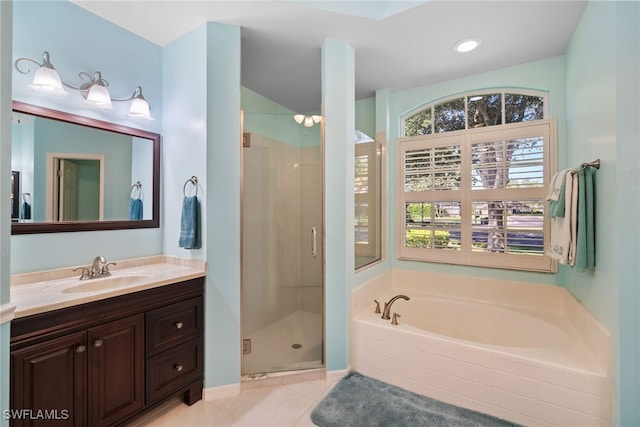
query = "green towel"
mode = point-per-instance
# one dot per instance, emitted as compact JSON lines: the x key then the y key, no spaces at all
{"x":585,"y":244}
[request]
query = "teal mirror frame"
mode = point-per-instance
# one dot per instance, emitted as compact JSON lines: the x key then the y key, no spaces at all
{"x":71,"y":226}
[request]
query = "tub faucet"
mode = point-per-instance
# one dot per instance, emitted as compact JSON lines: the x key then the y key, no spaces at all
{"x":387,"y":306}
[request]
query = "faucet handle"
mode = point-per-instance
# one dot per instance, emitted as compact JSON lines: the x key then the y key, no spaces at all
{"x":377,"y":310}
{"x":105,"y":268}
{"x":394,"y":320}
{"x":86,"y":273}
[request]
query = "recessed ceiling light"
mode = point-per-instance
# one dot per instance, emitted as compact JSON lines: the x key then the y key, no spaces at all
{"x":467,"y":45}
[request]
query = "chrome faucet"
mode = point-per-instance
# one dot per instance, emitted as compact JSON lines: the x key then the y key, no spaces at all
{"x":99,"y":268}
{"x":96,"y":266}
{"x":387,"y":306}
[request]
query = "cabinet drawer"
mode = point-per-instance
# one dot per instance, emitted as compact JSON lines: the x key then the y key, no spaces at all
{"x":174,"y":369}
{"x":174,"y":324}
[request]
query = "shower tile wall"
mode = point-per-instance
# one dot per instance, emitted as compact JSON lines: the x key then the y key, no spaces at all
{"x":280,"y":277}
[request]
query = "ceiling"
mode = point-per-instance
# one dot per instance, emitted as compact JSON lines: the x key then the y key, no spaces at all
{"x":398,"y":45}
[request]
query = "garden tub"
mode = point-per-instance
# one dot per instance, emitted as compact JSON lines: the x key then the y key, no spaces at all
{"x":527,"y":353}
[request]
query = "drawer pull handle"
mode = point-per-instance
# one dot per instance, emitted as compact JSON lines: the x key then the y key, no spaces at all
{"x":81,"y":348}
{"x":97,"y":343}
{"x":178,"y":325}
{"x":177,"y":367}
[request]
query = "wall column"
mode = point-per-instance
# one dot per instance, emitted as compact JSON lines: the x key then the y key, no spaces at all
{"x":201,"y":137}
{"x":338,"y":109}
{"x":223,"y":318}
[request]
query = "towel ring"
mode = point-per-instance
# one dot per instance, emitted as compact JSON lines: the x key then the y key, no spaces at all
{"x":137,"y":186}
{"x":193,"y":180}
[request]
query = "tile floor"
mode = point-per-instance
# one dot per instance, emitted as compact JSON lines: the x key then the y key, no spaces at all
{"x":276,"y":406}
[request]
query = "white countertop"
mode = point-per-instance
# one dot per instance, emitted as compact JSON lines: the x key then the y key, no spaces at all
{"x":35,"y":293}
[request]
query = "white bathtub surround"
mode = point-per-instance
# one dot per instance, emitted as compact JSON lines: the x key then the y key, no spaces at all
{"x":524,"y":352}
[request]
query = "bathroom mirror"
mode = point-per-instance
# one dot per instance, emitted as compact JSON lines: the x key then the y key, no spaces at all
{"x":368,"y":200}
{"x":82,"y":174}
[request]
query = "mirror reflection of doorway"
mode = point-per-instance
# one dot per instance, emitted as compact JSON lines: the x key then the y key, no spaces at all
{"x":68,"y":190}
{"x":75,"y":188}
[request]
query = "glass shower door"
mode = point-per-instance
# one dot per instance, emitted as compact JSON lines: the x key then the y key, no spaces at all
{"x":282,"y":250}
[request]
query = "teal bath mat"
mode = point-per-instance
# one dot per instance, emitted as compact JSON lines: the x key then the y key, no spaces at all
{"x":360,"y":401}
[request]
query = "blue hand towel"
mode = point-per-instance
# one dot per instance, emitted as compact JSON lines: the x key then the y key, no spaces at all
{"x":26,"y":211}
{"x":135,"y":209}
{"x":585,"y":246}
{"x":190,"y":237}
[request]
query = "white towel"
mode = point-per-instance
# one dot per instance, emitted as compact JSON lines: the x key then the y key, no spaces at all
{"x":563,"y":233}
{"x":574,"y":218}
{"x":555,"y":186}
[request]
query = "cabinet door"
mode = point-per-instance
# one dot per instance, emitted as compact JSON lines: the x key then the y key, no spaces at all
{"x":48,"y":383}
{"x":116,"y":370}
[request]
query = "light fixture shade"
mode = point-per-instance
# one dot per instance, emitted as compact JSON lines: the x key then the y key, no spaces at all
{"x":308,"y":121}
{"x":47,"y":80}
{"x":140,"y":108}
{"x":299,"y":118}
{"x":316,"y":119}
{"x":99,"y":97}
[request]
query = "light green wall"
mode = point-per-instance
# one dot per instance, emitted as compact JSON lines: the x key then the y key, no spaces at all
{"x":366,"y":116}
{"x":628,"y":197}
{"x":603,"y":121}
{"x":270,"y":119}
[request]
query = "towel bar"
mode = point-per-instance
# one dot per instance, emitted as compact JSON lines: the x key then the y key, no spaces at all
{"x":594,"y":164}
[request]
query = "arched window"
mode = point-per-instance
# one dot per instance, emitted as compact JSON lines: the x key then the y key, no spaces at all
{"x":474,"y":175}
{"x":474,"y":110}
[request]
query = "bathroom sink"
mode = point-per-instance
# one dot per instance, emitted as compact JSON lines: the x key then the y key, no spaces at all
{"x":106,"y":283}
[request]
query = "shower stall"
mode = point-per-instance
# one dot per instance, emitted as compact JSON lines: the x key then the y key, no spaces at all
{"x":282,"y":245}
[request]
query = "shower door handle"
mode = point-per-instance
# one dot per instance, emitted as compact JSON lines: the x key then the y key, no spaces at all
{"x":314,"y":242}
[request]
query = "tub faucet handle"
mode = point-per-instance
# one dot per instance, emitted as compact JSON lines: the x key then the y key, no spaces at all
{"x":394,"y":320}
{"x":377,"y":310}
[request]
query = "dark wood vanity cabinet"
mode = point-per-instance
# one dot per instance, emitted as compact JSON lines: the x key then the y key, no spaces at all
{"x":106,"y":362}
{"x":51,"y":376}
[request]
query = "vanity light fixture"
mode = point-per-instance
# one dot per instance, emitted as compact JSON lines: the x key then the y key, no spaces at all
{"x":467,"y":45}
{"x":94,"y":91}
{"x":307,"y":120}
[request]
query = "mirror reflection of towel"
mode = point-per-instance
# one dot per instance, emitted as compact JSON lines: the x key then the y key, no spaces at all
{"x":190,"y":235}
{"x":25,"y":212}
{"x":135,"y":209}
